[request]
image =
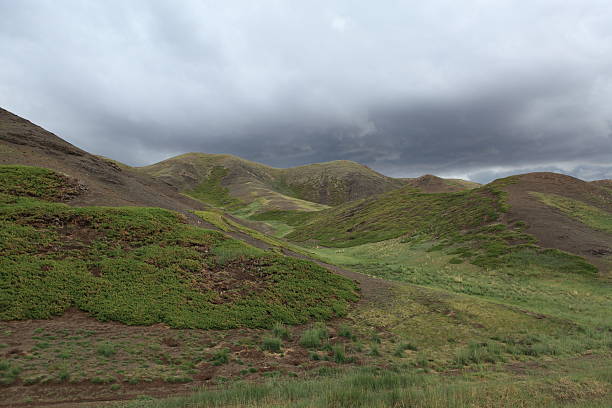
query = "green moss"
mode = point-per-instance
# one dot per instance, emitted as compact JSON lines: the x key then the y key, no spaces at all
{"x":211,"y":190}
{"x":146,"y":265}
{"x":35,"y":182}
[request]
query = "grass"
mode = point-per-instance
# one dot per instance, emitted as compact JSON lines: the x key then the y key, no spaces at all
{"x":588,"y":386}
{"x":107,"y":349}
{"x":280,"y":330}
{"x":594,"y":217}
{"x":272,"y":344}
{"x":144,"y":266}
{"x":26,"y":181}
{"x":400,"y":212}
{"x":313,"y":338}
{"x":548,"y":282}
{"x":215,"y":218}
{"x":212,"y":192}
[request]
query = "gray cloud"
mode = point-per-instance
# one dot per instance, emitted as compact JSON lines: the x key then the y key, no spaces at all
{"x":452,"y":88}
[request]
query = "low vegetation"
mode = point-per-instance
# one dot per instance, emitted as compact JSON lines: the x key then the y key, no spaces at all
{"x":146,"y":265}
{"x":212,"y":192}
{"x":372,"y":388}
{"x":587,"y":214}
{"x":399,"y":212}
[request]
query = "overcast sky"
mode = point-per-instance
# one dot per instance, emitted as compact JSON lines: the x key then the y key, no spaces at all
{"x":472,"y":89}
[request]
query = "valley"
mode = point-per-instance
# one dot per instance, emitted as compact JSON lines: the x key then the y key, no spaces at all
{"x":210,"y":280}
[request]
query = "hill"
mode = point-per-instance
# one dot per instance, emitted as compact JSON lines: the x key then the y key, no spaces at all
{"x":544,"y":209}
{"x":105,"y":182}
{"x":433,"y":184}
{"x":606,"y":183}
{"x":230,"y":182}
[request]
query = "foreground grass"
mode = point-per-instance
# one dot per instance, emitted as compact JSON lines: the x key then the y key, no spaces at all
{"x":540,"y":283}
{"x":588,"y":386}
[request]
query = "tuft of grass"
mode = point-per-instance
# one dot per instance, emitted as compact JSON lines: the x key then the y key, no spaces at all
{"x":272,"y":344}
{"x":281,"y":331}
{"x":312,"y":338}
{"x":339,"y":354}
{"x":106,"y":349}
{"x":346,"y":332}
{"x":478,"y":353}
{"x":220,"y":357}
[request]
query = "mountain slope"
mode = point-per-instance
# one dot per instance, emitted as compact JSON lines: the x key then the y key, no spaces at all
{"x":225,"y":180}
{"x":22,"y":142}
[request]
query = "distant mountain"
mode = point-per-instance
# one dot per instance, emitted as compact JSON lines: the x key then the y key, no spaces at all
{"x":433,"y":184}
{"x":226,"y":180}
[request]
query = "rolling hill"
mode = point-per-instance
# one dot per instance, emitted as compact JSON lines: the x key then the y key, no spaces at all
{"x":433,"y":184}
{"x":544,"y":209}
{"x":229,"y":181}
{"x":422,"y":292}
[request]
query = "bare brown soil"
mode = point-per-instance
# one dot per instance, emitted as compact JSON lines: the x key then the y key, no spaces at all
{"x":247,"y":360}
{"x":551,"y":227}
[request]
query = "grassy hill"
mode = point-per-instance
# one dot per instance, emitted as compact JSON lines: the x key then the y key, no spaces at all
{"x":232,"y":182}
{"x":229,"y":181}
{"x":144,"y":265}
{"x":105,"y":182}
{"x":488,"y":225}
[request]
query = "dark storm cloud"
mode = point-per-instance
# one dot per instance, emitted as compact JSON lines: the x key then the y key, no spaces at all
{"x":468,"y":89}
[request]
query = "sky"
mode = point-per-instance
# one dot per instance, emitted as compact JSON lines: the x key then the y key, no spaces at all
{"x":477,"y":89}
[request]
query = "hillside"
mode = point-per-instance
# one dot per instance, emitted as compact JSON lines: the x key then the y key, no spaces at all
{"x":606,"y":183}
{"x":547,"y":209}
{"x":105,"y":182}
{"x":231,"y":182}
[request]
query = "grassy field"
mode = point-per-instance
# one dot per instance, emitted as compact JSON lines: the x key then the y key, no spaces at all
{"x":546,"y":283}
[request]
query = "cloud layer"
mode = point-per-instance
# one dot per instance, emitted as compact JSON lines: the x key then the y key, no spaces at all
{"x":472,"y":89}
